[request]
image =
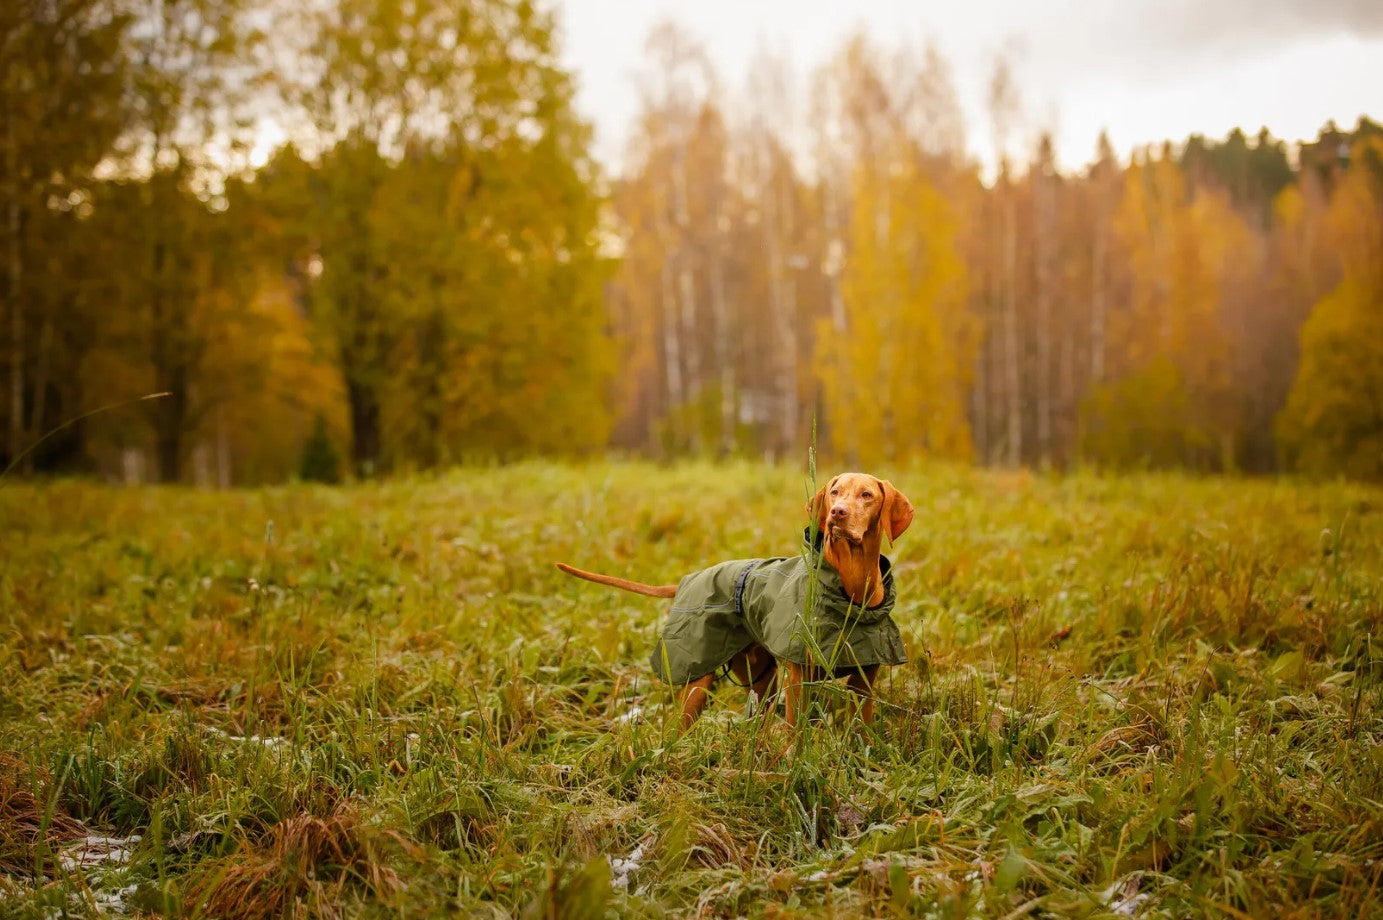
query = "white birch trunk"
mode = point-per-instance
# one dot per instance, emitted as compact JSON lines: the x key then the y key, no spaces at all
{"x":1012,"y":359}
{"x":724,"y":356}
{"x":1045,"y":234}
{"x":672,"y":352}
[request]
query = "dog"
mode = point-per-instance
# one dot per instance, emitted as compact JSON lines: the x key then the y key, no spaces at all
{"x":745,"y":617}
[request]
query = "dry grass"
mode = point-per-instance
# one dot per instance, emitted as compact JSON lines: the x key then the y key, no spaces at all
{"x":303,"y":866}
{"x":32,"y":824}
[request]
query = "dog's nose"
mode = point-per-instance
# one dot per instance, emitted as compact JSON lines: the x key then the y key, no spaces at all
{"x":837,"y":511}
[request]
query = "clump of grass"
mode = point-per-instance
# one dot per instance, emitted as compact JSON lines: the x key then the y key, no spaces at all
{"x":304,"y":865}
{"x":32,"y":823}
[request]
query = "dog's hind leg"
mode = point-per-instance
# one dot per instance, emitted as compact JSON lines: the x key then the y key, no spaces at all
{"x":766,"y":675}
{"x":755,"y":668}
{"x":861,"y":683}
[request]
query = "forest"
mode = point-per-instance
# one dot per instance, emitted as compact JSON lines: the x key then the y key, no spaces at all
{"x":247,"y":241}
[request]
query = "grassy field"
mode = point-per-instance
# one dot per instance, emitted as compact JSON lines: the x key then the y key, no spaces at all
{"x":1140,"y":696}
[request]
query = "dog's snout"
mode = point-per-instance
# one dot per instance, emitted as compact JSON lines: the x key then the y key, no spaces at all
{"x":838,"y":509}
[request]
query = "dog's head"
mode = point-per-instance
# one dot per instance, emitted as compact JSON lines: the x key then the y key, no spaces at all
{"x":860,"y":508}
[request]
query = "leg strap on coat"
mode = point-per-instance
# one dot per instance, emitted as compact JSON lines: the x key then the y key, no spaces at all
{"x":739,"y":612}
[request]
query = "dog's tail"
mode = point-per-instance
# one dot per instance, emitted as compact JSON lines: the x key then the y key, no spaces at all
{"x":623,"y":584}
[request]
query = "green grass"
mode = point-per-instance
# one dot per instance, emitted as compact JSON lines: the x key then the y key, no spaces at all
{"x":1149,"y":695}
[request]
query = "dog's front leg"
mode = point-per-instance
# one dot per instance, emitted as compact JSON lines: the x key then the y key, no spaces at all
{"x":792,"y":692}
{"x":694,"y":697}
{"x":861,"y":684}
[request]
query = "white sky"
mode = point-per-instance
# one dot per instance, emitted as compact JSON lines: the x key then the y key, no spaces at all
{"x":1144,"y":70}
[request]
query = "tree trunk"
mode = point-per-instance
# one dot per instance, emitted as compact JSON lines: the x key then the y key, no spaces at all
{"x":979,"y":406}
{"x":834,"y":263}
{"x":430,"y":343}
{"x":686,"y":323}
{"x":783,"y":303}
{"x":169,"y":367}
{"x":672,"y":349}
{"x":168,"y":426}
{"x":1012,"y":359}
{"x":998,"y":377}
{"x":1044,"y":236}
{"x":1098,"y":294}
{"x":1066,"y":399}
{"x":14,"y":289}
{"x":38,"y":419}
{"x":790,"y":411}
{"x":223,"y":451}
{"x":981,"y":393}
{"x":365,"y":427}
{"x":724,"y":356}
{"x":782,"y":307}
{"x":686,"y":287}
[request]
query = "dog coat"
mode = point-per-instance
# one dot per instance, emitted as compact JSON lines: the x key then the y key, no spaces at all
{"x":721,"y":610}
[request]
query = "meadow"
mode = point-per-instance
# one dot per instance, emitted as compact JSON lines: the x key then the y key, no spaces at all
{"x":1147,"y":695}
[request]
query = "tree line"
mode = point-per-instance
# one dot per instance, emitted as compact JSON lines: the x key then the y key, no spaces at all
{"x":432,"y":268}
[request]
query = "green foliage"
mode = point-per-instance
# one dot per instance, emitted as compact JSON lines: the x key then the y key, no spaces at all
{"x":449,"y":250}
{"x":321,"y":462}
{"x":1252,"y":172}
{"x":63,"y":81}
{"x":1140,"y":421}
{"x":437,"y":225}
{"x":1333,"y":420}
{"x":1149,"y":693}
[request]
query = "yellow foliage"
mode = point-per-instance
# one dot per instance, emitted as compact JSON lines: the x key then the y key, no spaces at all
{"x":277,"y":383}
{"x":894,"y":378}
{"x":1184,"y":253}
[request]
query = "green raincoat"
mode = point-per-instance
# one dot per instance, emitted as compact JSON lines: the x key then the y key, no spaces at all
{"x":721,"y":610}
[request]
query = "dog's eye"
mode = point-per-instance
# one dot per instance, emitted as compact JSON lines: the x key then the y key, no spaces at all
{"x":866,"y":495}
{"x":835,"y":491}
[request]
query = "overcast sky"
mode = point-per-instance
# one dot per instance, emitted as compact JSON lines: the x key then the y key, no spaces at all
{"x":1144,"y":70}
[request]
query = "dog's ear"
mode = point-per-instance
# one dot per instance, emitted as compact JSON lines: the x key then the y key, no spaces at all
{"x":896,"y":513}
{"x":816,"y":507}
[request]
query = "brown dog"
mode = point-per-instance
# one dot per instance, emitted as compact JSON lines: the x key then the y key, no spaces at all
{"x":746,"y":616}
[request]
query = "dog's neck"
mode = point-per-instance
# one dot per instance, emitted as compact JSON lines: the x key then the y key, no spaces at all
{"x":858,"y":566}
